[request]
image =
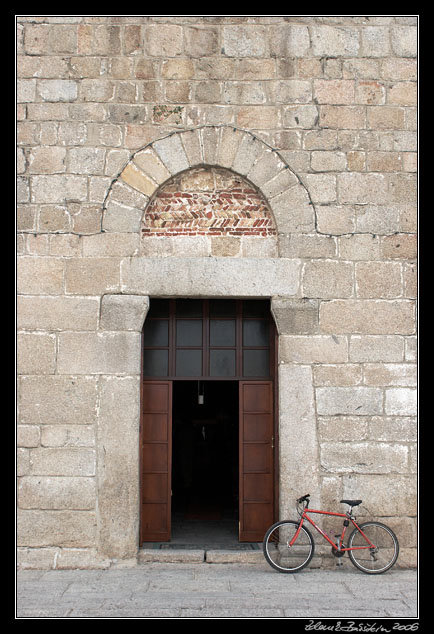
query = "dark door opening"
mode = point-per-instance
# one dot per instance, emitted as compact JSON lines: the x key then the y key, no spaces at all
{"x":212,"y":461}
{"x":205,"y":455}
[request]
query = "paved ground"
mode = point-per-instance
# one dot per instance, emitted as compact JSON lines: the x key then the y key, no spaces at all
{"x":207,"y":591}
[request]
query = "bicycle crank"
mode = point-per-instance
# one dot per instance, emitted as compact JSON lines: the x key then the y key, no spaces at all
{"x":337,"y":553}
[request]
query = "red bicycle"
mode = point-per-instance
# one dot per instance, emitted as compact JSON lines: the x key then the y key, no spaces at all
{"x":372,"y":546}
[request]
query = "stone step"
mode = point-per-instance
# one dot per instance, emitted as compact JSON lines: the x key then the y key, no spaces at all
{"x":199,"y":555}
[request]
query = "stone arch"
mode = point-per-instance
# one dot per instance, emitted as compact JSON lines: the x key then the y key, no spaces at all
{"x":215,"y":146}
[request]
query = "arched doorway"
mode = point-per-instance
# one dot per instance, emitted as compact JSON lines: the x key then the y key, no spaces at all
{"x":192,"y":272}
{"x":208,"y":428}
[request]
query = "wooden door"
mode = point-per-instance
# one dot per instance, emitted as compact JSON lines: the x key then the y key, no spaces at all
{"x":156,"y":465}
{"x":256,"y":490}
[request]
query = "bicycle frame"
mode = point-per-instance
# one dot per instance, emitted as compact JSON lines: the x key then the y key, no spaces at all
{"x":339,"y":546}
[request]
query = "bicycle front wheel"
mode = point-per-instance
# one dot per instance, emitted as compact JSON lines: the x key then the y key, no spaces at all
{"x":375,"y":560}
{"x":280,"y":555}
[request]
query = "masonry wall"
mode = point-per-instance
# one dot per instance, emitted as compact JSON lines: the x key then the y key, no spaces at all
{"x":330,"y":104}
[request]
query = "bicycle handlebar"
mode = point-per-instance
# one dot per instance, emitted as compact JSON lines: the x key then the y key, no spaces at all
{"x":305,"y":497}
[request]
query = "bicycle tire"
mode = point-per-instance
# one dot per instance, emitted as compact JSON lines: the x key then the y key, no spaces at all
{"x":277,"y":553}
{"x":369,"y":561}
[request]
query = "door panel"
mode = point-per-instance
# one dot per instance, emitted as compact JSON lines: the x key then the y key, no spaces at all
{"x":154,"y":488}
{"x":256,"y":427}
{"x":154,"y":427}
{"x":259,"y":397}
{"x":257,"y":486}
{"x":257,"y":458}
{"x":156,"y":455}
{"x":256,"y":506}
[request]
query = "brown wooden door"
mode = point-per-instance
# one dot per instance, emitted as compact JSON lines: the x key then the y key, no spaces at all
{"x":156,"y":453}
{"x":256,"y":491}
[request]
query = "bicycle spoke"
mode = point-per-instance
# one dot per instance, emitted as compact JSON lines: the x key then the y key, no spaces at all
{"x":378,"y":559}
{"x":285,"y":557}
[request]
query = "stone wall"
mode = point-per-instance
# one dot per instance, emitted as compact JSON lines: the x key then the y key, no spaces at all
{"x":317,"y":115}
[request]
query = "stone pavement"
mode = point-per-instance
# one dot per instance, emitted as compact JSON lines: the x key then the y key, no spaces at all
{"x":215,"y":591}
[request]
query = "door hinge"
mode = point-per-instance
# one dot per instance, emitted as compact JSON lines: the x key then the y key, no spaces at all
{"x":272,"y":442}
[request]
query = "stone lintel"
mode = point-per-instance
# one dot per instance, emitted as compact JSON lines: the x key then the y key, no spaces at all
{"x":210,"y":277}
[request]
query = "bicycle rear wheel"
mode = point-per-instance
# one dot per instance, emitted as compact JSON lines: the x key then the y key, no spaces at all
{"x":280,"y":555}
{"x":373,"y":561}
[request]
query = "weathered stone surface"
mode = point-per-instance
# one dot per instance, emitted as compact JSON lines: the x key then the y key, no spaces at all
{"x":398,"y":374}
{"x":47,"y":160}
{"x":99,"y":353}
{"x":367,"y":316}
{"x":327,"y":279}
{"x":297,"y":396}
{"x":334,"y":41}
{"x":122,"y":218}
{"x":313,"y":349}
{"x":401,"y":401}
{"x":364,"y":458}
{"x":36,"y":353}
{"x":278,"y":183}
{"x":239,"y":41}
{"x":63,"y":461}
{"x":191,"y":140}
{"x":379,"y":279}
{"x":248,"y":151}
{"x":335,"y":219}
{"x":290,"y":40}
{"x":110,"y":245}
{"x":56,"y":528}
{"x":42,"y":492}
{"x":218,"y":277}
{"x":163,"y":40}
{"x":92,"y":276}
{"x":28,"y":436}
{"x":404,"y":40}
{"x":57,"y":400}
{"x":123,"y":312}
{"x":349,"y":400}
{"x":293,"y":210}
{"x":265,"y":168}
{"x":57,"y":313}
{"x":67,"y":436}
{"x":149,"y":163}
{"x":228,"y":147}
{"x":398,"y":498}
{"x":57,"y":90}
{"x":295,"y":316}
{"x":172,"y":153}
{"x":139,"y":180}
{"x":376,"y":348}
{"x":57,"y":188}
{"x":40,"y":276}
{"x":118,"y":466}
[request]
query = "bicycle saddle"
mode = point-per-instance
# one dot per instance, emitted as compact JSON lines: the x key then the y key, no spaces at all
{"x":352,"y":502}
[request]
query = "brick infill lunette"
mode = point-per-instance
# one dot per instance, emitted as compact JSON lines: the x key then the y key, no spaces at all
{"x":236,"y":212}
